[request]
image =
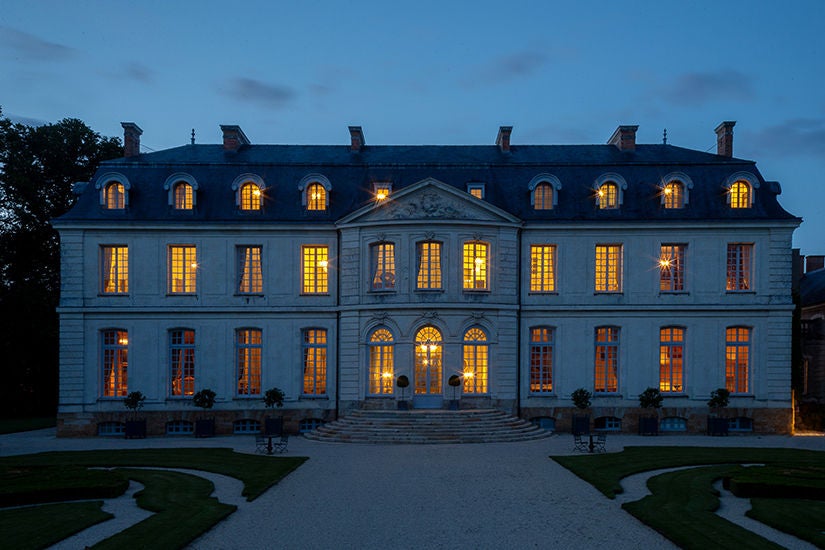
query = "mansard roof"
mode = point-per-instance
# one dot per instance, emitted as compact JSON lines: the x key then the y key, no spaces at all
{"x":506,"y":176}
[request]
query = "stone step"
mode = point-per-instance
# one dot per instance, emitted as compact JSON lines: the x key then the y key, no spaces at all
{"x":428,"y":426}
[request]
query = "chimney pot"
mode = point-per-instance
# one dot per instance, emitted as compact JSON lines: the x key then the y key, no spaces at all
{"x":131,"y":139}
{"x":624,"y":138}
{"x":233,"y":137}
{"x":812,"y":263}
{"x":356,"y":136}
{"x":503,"y":138}
{"x":724,"y":138}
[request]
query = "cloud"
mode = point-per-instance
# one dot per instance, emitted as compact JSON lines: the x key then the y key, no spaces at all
{"x":26,"y":121}
{"x":793,"y":137}
{"x":33,"y":48}
{"x":508,"y":67}
{"x":256,"y":91}
{"x":698,"y":88}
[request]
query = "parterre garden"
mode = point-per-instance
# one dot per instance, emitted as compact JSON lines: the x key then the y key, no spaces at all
{"x":47,"y":497}
{"x":786,"y":488}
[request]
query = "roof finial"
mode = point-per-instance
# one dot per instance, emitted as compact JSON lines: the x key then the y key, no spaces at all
{"x":664,"y":137}
{"x":193,"y":136}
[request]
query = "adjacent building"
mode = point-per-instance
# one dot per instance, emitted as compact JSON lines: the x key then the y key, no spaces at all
{"x":528,"y":271}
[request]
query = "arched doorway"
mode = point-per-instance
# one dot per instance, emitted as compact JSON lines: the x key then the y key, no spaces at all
{"x":428,"y":374}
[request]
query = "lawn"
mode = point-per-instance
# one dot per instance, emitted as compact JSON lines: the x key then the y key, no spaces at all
{"x":182,"y":507}
{"x":13,"y":425}
{"x":682,"y":503}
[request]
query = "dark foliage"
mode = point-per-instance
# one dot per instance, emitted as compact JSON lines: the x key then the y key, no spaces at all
{"x":37,"y":169}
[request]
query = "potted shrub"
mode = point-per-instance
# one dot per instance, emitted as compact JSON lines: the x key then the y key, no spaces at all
{"x":718,"y":424}
{"x":454,"y":381}
{"x":402,"y":382}
{"x":204,"y":399}
{"x":581,"y":400}
{"x":651,"y":398}
{"x":273,"y":397}
{"x":135,"y":428}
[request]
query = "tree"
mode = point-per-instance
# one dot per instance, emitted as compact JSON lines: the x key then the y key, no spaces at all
{"x":37,"y":169}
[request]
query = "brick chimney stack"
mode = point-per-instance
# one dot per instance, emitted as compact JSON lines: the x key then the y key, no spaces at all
{"x":624,"y":138}
{"x":131,"y":139}
{"x":356,"y":138}
{"x":233,"y":137}
{"x":503,"y":138}
{"x":724,"y":138}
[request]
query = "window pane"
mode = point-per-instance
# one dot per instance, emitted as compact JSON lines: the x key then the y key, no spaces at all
{"x":740,"y":195}
{"x":382,"y":375}
{"x":607,"y":360}
{"x":182,"y":362}
{"x":542,"y":268}
{"x":183,"y":196}
{"x":608,"y":196}
{"x":674,"y":195}
{"x":475,"y":266}
{"x":541,"y":360}
{"x":609,"y":268}
{"x":739,"y":266}
{"x":737,"y":359}
{"x":672,"y":268}
{"x":543,"y":197}
{"x":115,"y":269}
{"x":315,"y":362}
{"x":250,"y":273}
{"x":315,"y":270}
{"x":383,"y":266}
{"x":249,"y":348}
{"x":183,"y":268}
{"x":115,"y":196}
{"x":250,"y":197}
{"x":115,"y":363}
{"x":671,"y":356}
{"x":316,"y":197}
{"x":429,"y":265}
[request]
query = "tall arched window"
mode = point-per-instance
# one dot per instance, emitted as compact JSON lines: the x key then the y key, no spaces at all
{"x":428,"y":361}
{"x":608,"y":196}
{"x":115,"y":351}
{"x":183,"y":196}
{"x":740,"y":195}
{"x":250,"y":197}
{"x":476,"y":361}
{"x":115,"y":196}
{"x":382,"y":359}
{"x":543,"y":197}
{"x":541,"y":359}
{"x":674,"y":194}
{"x":316,"y":197}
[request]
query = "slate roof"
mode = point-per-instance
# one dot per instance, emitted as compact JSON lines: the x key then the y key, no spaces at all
{"x":812,"y":288}
{"x":506,"y":177}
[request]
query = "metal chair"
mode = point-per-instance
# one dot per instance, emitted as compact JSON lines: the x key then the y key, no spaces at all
{"x":601,"y":441}
{"x":261,"y":444}
{"x":580,"y":444}
{"x":280,"y":445}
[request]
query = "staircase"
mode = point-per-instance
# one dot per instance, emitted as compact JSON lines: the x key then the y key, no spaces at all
{"x":428,"y":426}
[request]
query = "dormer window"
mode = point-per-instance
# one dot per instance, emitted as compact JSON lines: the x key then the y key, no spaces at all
{"x":544,"y":190}
{"x":476,"y":190}
{"x":249,"y":192}
{"x":115,"y":196}
{"x":609,"y":190}
{"x":543,"y":197}
{"x":250,"y":197}
{"x":315,"y":189}
{"x":183,"y":196}
{"x":740,"y":195}
{"x":382,"y":191}
{"x":674,"y":194}
{"x":316,"y":197}
{"x":182,"y":190}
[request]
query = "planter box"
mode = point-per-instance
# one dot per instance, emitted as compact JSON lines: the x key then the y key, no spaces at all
{"x":648,"y":425}
{"x":581,"y":425}
{"x":274,"y":426}
{"x":205,"y":427}
{"x":135,"y":429}
{"x":717,"y":426}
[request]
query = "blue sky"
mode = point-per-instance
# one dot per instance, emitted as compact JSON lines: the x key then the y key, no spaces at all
{"x":445,"y":72}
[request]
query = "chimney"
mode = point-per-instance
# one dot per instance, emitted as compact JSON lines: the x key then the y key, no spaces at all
{"x":624,"y":138}
{"x":503,"y":138}
{"x":356,"y":138}
{"x":233,"y":137}
{"x":131,"y":139}
{"x":812,"y":263}
{"x":724,"y":138}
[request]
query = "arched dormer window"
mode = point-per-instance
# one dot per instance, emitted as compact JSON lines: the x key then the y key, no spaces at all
{"x":315,"y":190}
{"x":114,"y":191}
{"x":740,"y":189}
{"x":609,"y":189}
{"x":675,"y":192}
{"x":182,"y":190}
{"x":249,"y":192}
{"x":544,"y":190}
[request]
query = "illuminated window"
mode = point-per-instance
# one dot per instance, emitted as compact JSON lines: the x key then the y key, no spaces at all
{"x":383,"y":266}
{"x":608,"y":268}
{"x":115,"y":196}
{"x":739,"y":266}
{"x":114,"y":269}
{"x":737,"y":359}
{"x":674,"y":195}
{"x":541,"y":359}
{"x":184,"y":196}
{"x":382,"y":359}
{"x":115,"y":362}
{"x":251,"y":197}
{"x":608,"y":196}
{"x":248,"y":349}
{"x":382,"y":190}
{"x":315,"y":265}
{"x":183,"y":269}
{"x":672,"y":267}
{"x":740,"y":195}
{"x":607,"y":360}
{"x":543,"y":197}
{"x":428,"y":361}
{"x":250,"y":272}
{"x":315,"y":361}
{"x":316,"y":197}
{"x":476,"y":190}
{"x":475,"y":266}
{"x":671,"y":359}
{"x":182,"y":362}
{"x":476,"y":361}
{"x":542,"y":268}
{"x":429,"y":266}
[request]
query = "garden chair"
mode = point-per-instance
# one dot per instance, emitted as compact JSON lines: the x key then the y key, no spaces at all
{"x":600,"y":442}
{"x":580,"y":443}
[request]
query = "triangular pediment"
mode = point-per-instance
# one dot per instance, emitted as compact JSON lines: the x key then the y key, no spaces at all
{"x":430,"y":199}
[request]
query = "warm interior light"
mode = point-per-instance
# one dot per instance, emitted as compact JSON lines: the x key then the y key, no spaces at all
{"x":433,"y":347}
{"x":469,"y":374}
{"x":323,"y":264}
{"x":256,"y":192}
{"x":664,"y":262}
{"x":423,"y":348}
{"x":123,"y":341}
{"x":381,"y":195}
{"x":315,"y":196}
{"x":601,"y":193}
{"x":668,"y":190}
{"x":386,"y":374}
{"x":194,"y":265}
